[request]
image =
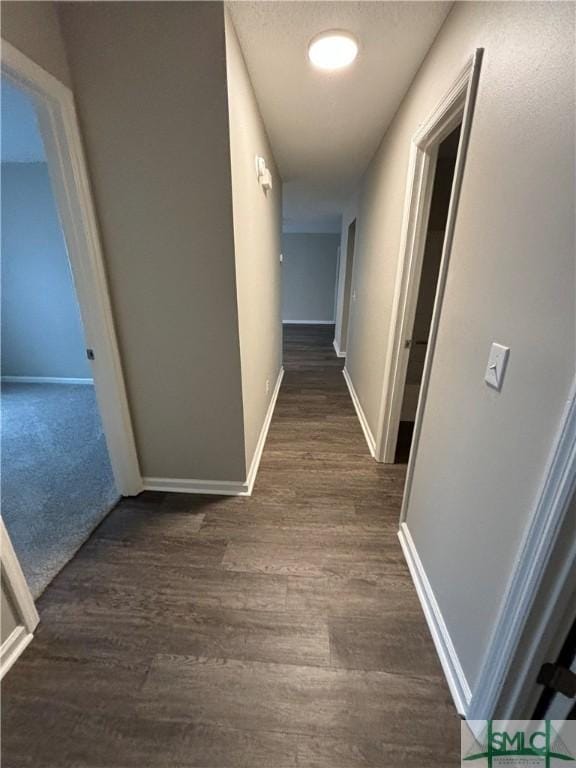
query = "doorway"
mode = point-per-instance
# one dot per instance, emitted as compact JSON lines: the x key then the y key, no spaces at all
{"x":445,"y":132}
{"x":347,"y":295}
{"x":417,"y":344}
{"x":57,"y":123}
{"x":57,"y":479}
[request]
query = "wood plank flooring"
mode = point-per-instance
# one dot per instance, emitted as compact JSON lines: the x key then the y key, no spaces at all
{"x":275,"y":631}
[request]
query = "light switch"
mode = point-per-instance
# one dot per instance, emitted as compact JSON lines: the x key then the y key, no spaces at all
{"x":263,"y":174}
{"x":260,"y":166}
{"x":494,"y":375}
{"x":266,"y":180}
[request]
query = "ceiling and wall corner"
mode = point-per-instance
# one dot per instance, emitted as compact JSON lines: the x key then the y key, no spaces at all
{"x":325,"y":126}
{"x":34,"y":28}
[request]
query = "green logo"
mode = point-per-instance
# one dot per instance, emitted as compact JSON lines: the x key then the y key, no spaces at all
{"x":539,"y":745}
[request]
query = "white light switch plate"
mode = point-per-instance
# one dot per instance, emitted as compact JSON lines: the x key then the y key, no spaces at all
{"x":494,"y":375}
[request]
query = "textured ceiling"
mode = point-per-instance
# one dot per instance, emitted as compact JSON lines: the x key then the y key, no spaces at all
{"x":21,"y":142}
{"x":325,"y":127}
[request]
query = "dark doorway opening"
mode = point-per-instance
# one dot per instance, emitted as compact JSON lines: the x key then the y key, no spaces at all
{"x":435,"y":236}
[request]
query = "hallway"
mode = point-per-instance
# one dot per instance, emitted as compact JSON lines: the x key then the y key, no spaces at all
{"x":272,"y":631}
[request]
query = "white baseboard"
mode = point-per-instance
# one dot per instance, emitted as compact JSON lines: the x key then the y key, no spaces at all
{"x":308,"y":322}
{"x":361,"y":415}
{"x":222,"y":487}
{"x":13,"y":647}
{"x":186,"y":485}
{"x":255,"y":463}
{"x":44,"y":380}
{"x":339,"y":353}
{"x":453,"y":671}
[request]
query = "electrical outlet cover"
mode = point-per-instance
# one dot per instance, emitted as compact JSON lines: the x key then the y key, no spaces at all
{"x":496,"y":367}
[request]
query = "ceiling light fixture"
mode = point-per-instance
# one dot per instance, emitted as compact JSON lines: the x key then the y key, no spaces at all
{"x":333,"y":50}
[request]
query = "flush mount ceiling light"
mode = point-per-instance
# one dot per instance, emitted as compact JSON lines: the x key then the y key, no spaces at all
{"x":333,"y":50}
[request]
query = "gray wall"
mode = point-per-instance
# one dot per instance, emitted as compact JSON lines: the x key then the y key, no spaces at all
{"x":34,"y":28}
{"x":309,"y":277}
{"x":482,"y":453}
{"x":257,"y":227}
{"x":42,"y":332}
{"x":150,"y":86}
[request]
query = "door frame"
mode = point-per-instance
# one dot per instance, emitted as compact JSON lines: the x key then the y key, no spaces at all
{"x":506,"y":682}
{"x":13,"y":582}
{"x":60,"y":132}
{"x":337,"y":282}
{"x":456,"y":107}
{"x":348,"y":283}
{"x":346,"y":278}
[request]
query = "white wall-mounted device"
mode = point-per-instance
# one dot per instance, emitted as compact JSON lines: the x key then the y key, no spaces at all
{"x":497,"y":360}
{"x":263,"y":174}
{"x":266,"y":180}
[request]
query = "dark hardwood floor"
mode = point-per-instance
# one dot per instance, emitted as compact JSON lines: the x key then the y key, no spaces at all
{"x":275,"y":631}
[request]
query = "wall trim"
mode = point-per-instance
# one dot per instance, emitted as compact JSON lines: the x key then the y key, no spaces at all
{"x":13,"y":647}
{"x":45,"y":380}
{"x":186,"y":485}
{"x":360,"y":413}
{"x":14,"y":582}
{"x":255,"y":463}
{"x":222,"y":487}
{"x":337,"y":349}
{"x":449,"y":660}
{"x":308,"y":322}
{"x":60,"y":131}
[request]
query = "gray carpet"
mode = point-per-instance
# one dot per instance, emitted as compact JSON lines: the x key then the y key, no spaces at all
{"x":57,"y":482}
